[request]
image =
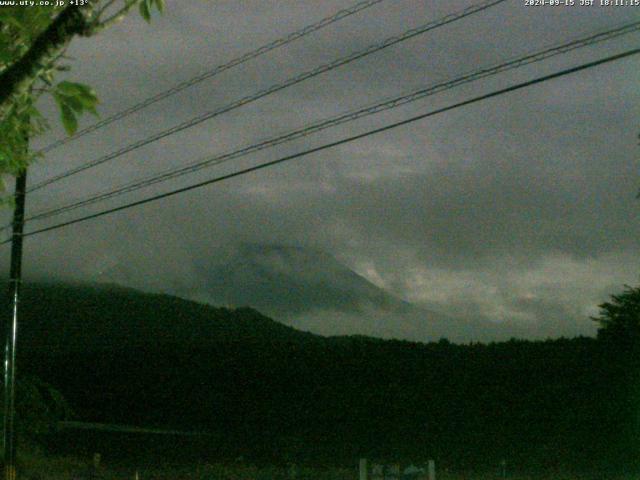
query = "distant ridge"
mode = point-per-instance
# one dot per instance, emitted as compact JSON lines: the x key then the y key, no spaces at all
{"x":81,"y":317}
{"x":307,"y":289}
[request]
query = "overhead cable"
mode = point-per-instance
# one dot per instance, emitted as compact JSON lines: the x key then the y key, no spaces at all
{"x":280,"y":42}
{"x":326,"y":146}
{"x":413,"y":32}
{"x":342,"y":118}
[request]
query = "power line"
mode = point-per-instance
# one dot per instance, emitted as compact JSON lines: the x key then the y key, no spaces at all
{"x":340,"y":15}
{"x":343,"y":118}
{"x":338,"y":142}
{"x":274,"y":88}
{"x":388,"y":104}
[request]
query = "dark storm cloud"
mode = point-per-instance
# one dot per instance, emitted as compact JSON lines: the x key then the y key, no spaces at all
{"x":517,"y":209}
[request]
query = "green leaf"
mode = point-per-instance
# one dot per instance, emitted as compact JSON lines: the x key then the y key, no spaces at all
{"x":77,"y":96}
{"x":10,"y":18}
{"x":160,"y":5}
{"x":59,"y":99}
{"x":70,"y":88}
{"x":144,"y":11}
{"x":85,"y":90}
{"x":88,"y":99}
{"x":74,"y":103}
{"x":92,"y":110}
{"x":69,"y":119}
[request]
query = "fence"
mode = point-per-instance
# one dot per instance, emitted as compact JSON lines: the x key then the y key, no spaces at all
{"x":395,"y":472}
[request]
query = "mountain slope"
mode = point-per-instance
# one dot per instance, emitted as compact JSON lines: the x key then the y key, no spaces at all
{"x":292,"y":280}
{"x":68,"y":317}
{"x":312,"y":291}
{"x":304,"y":288}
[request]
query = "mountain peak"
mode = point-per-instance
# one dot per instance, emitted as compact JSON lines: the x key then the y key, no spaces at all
{"x":282,"y":280}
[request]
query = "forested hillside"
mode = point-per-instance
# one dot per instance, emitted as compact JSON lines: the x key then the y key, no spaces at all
{"x":270,"y":393}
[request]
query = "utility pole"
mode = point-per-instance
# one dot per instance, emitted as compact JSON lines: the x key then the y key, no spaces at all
{"x":11,"y":327}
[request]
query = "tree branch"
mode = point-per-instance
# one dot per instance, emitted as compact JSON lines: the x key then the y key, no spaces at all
{"x":17,"y":79}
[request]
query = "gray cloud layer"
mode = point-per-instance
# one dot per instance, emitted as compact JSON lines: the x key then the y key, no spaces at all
{"x":517,"y":209}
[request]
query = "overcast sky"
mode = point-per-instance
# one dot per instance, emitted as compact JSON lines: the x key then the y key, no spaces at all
{"x":519,"y":208}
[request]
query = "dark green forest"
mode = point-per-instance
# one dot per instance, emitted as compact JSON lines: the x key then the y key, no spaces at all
{"x":272,"y":394}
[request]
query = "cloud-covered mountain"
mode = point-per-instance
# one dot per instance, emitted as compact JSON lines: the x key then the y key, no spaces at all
{"x":311,"y":290}
{"x":307,"y":289}
{"x":284,"y":280}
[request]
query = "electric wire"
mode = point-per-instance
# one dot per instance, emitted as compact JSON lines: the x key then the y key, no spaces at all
{"x":476,"y":8}
{"x":342,"y":141}
{"x":343,"y":118}
{"x":280,"y":42}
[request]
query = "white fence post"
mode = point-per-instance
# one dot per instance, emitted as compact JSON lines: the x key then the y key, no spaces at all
{"x":363,"y":469}
{"x":432,"y":470}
